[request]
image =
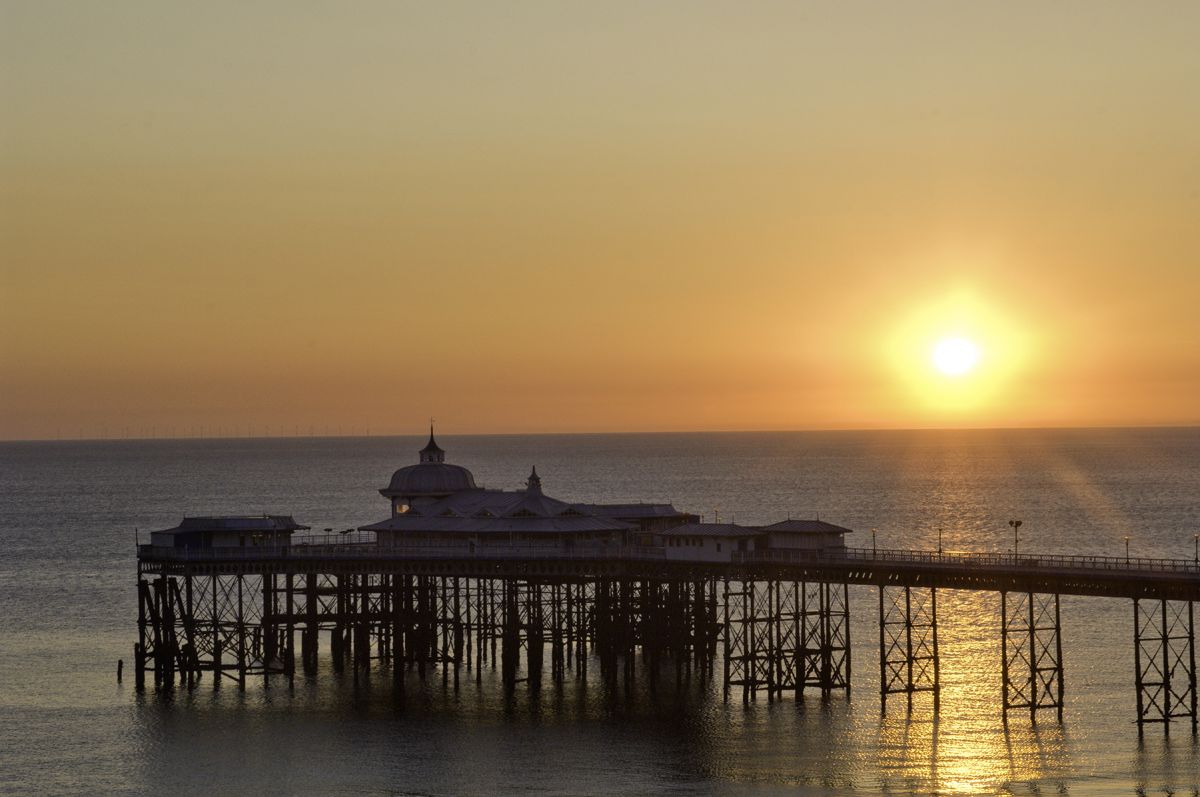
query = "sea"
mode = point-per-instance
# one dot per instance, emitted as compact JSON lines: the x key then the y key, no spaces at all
{"x":72,"y":513}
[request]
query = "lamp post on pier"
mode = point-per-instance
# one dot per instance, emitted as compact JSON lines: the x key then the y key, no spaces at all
{"x":939,"y":542}
{"x":1016,"y":527}
{"x":1126,"y":538}
{"x":874,"y":551}
{"x":1196,"y":557}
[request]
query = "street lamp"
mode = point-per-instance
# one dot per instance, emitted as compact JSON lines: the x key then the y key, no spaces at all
{"x":873,"y":549}
{"x":939,"y":542}
{"x":1196,"y":539}
{"x":1126,"y":538}
{"x":1016,"y":527}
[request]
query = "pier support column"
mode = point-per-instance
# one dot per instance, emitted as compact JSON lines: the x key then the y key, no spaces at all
{"x":908,"y":643}
{"x":785,"y":636}
{"x":458,"y":637}
{"x":604,"y":629}
{"x":1032,"y":668}
{"x":363,"y":624}
{"x":289,"y":634}
{"x":583,"y":624}
{"x":163,"y":618}
{"x":178,"y":618}
{"x":510,"y":643}
{"x":1164,"y":634}
{"x":187,"y":612}
{"x":825,"y":637}
{"x":748,"y":637}
{"x":421,"y":635}
{"x":444,"y":627}
{"x":241,"y":633}
{"x":337,"y":636}
{"x":309,"y":639}
{"x":535,"y":640}
{"x":557,"y":615}
{"x":706,"y":623}
{"x":140,"y":652}
{"x":269,"y":629}
{"x":479,"y":619}
{"x":397,"y":609}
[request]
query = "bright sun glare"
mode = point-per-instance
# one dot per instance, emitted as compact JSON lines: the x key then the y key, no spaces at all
{"x":955,"y":356}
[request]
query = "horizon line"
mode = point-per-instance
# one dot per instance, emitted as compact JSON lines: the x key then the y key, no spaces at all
{"x":592,"y":433}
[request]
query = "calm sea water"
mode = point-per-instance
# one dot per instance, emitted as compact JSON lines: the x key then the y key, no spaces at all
{"x":67,"y":613}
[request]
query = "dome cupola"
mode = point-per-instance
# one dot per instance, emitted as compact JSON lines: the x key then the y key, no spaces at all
{"x":432,"y":452}
{"x":431,"y":478}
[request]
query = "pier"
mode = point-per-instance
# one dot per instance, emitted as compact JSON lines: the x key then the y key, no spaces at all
{"x":774,"y":623}
{"x":460,"y":578}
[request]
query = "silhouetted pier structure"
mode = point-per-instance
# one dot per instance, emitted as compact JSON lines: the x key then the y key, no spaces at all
{"x":775,"y":622}
{"x":460,"y":578}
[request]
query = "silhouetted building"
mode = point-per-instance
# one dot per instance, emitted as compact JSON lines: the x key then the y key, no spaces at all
{"x":234,"y":531}
{"x":436,"y":503}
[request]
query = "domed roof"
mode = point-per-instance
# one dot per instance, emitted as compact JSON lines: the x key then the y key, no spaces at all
{"x":432,"y":476}
{"x":429,"y":478}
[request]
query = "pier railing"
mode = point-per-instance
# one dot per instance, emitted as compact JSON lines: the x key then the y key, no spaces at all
{"x":337,"y":546}
{"x":371,"y":550}
{"x":1054,"y":561}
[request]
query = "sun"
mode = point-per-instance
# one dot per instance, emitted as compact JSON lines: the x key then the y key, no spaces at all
{"x":958,"y":356}
{"x":955,"y":356}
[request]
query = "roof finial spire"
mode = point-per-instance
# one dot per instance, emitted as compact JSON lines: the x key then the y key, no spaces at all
{"x":432,"y":452}
{"x":534,"y":483}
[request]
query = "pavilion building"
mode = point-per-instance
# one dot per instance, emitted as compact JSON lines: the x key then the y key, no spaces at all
{"x":435,"y":503}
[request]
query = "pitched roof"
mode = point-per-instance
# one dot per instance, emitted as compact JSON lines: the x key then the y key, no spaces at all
{"x":498,"y":511}
{"x":712,"y":530}
{"x":632,"y":510}
{"x":807,"y":527}
{"x":235,"y":523}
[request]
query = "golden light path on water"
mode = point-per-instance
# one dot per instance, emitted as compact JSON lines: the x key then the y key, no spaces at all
{"x":963,"y":749}
{"x":960,"y":751}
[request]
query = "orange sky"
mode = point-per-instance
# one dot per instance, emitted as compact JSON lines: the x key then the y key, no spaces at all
{"x":557,"y":216}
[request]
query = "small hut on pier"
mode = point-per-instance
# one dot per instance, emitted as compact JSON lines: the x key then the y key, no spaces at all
{"x":229,"y":531}
{"x":717,"y":542}
{"x":805,"y":535}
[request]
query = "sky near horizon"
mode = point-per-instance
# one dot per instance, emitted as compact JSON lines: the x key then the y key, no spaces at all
{"x":596,"y":217}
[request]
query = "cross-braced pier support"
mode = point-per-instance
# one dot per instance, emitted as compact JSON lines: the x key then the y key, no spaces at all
{"x":786,"y":598}
{"x":908,"y":643}
{"x":1030,"y":627}
{"x":825,"y":638}
{"x":748,"y":637}
{"x":785,"y":635}
{"x":1164,"y":635}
